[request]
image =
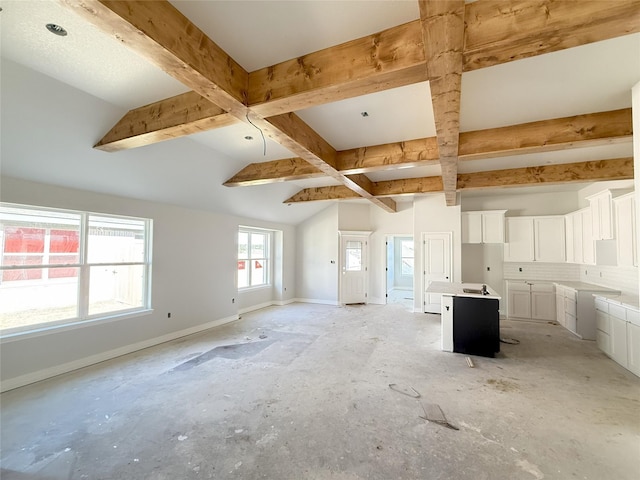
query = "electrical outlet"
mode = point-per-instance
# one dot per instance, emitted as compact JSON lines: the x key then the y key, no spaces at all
{"x":285,"y":289}
{"x":169,"y":315}
{"x":519,"y":269}
{"x":233,"y":300}
{"x":488,"y":269}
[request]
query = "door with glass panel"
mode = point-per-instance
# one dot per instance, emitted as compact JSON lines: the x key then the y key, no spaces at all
{"x":354,"y":269}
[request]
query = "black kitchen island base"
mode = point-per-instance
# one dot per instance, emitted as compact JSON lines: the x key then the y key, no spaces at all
{"x":476,"y":326}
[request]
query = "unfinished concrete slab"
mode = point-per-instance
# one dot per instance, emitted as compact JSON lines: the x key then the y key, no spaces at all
{"x":302,"y":391}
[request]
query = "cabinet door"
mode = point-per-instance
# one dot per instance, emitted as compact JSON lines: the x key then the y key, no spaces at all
{"x":578,"y":238}
{"x":493,"y":227}
{"x":604,"y":342}
{"x":618,"y":336}
{"x":588,"y":251}
{"x":568,"y":236}
{"x":626,"y":231}
{"x":560,"y":308}
{"x":543,"y":305}
{"x":601,"y":218}
{"x":549,"y":239}
{"x":471,"y":227}
{"x":519,"y":241}
{"x":519,"y":304}
{"x":633,"y":348}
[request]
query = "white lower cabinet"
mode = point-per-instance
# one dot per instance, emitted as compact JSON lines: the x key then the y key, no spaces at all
{"x":531,"y":300}
{"x":633,"y":348}
{"x":618,"y":334}
{"x":619,"y":340}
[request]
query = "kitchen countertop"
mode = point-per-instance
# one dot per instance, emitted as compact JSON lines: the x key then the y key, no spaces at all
{"x":630,"y":301}
{"x":588,"y":287}
{"x":457,"y":289}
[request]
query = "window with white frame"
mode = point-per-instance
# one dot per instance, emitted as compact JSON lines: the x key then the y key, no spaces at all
{"x":406,"y":247}
{"x":62,"y":266}
{"x":254,"y":263}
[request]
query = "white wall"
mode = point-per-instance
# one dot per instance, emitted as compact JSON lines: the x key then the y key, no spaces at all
{"x":523,"y":203}
{"x":354,"y":216}
{"x":317,"y":257}
{"x":635,"y":105}
{"x":193,"y":277}
{"x":432,"y":215}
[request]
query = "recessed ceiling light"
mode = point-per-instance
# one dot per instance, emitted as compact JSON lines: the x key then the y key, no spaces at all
{"x":56,"y":29}
{"x":248,"y":137}
{"x":364,"y":114}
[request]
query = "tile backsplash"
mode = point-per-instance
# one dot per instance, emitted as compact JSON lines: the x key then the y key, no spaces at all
{"x":541,"y":271}
{"x":624,"y":279}
{"x":621,"y":278}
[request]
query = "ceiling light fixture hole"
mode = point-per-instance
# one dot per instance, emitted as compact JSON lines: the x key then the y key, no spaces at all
{"x":364,"y":114}
{"x":56,"y":29}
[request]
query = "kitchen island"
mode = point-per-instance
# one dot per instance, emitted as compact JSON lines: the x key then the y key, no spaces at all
{"x":470,"y":320}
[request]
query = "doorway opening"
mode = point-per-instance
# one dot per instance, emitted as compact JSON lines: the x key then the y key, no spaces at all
{"x":399,"y":270}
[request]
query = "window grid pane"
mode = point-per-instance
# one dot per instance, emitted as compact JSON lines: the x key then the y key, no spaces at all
{"x":49,"y":244}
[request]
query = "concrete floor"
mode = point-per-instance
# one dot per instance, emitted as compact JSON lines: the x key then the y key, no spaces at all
{"x":311,"y":400}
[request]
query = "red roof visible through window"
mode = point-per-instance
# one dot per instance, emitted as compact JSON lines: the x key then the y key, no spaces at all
{"x":23,"y":240}
{"x":64,"y":241}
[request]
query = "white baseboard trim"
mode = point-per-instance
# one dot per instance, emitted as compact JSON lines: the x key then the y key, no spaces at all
{"x":314,"y":300}
{"x":282,"y":303}
{"x":253,"y":308}
{"x":56,"y":370}
{"x":377,"y":301}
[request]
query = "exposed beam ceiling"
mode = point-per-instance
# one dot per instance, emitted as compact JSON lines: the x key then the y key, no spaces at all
{"x":613,"y":169}
{"x":158,"y":31}
{"x":450,"y":38}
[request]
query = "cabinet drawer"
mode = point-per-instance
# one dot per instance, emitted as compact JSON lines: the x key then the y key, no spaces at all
{"x":618,"y":311}
{"x":633,"y":316}
{"x":518,"y":286}
{"x":543,"y":287}
{"x":603,"y":340}
{"x":571,"y":294}
{"x":570,"y":323}
{"x":603,"y":322}
{"x":570,"y":306}
{"x":602,"y":305}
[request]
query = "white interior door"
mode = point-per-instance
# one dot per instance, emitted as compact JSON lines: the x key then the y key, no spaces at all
{"x":354,"y":275}
{"x":437,"y":266}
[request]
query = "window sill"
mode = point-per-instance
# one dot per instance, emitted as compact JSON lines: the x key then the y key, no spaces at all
{"x":43,"y":329}
{"x":253,"y":289}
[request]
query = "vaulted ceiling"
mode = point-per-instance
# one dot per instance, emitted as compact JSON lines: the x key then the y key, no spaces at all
{"x":376,"y":100}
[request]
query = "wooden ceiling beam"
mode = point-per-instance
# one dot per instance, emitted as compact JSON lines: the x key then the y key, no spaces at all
{"x":388,"y":59}
{"x":579,"y":172}
{"x":273,"y":172}
{"x":338,"y":192}
{"x":578,"y":131}
{"x":499,"y":31}
{"x":594,"y":171}
{"x":443,"y":38}
{"x":170,"y":118}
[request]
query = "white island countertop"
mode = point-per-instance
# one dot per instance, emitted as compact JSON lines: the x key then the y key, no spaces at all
{"x":458,"y":289}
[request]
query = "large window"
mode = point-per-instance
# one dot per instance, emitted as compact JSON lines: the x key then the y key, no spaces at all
{"x":254,"y":264}
{"x":61,"y":266}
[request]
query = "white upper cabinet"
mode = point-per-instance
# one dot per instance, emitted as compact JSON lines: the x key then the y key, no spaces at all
{"x":588,"y":249}
{"x":549,"y":239}
{"x":483,"y":227}
{"x":625,"y":214}
{"x":601,"y":215}
{"x":519,"y":241}
{"x":535,"y":239}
